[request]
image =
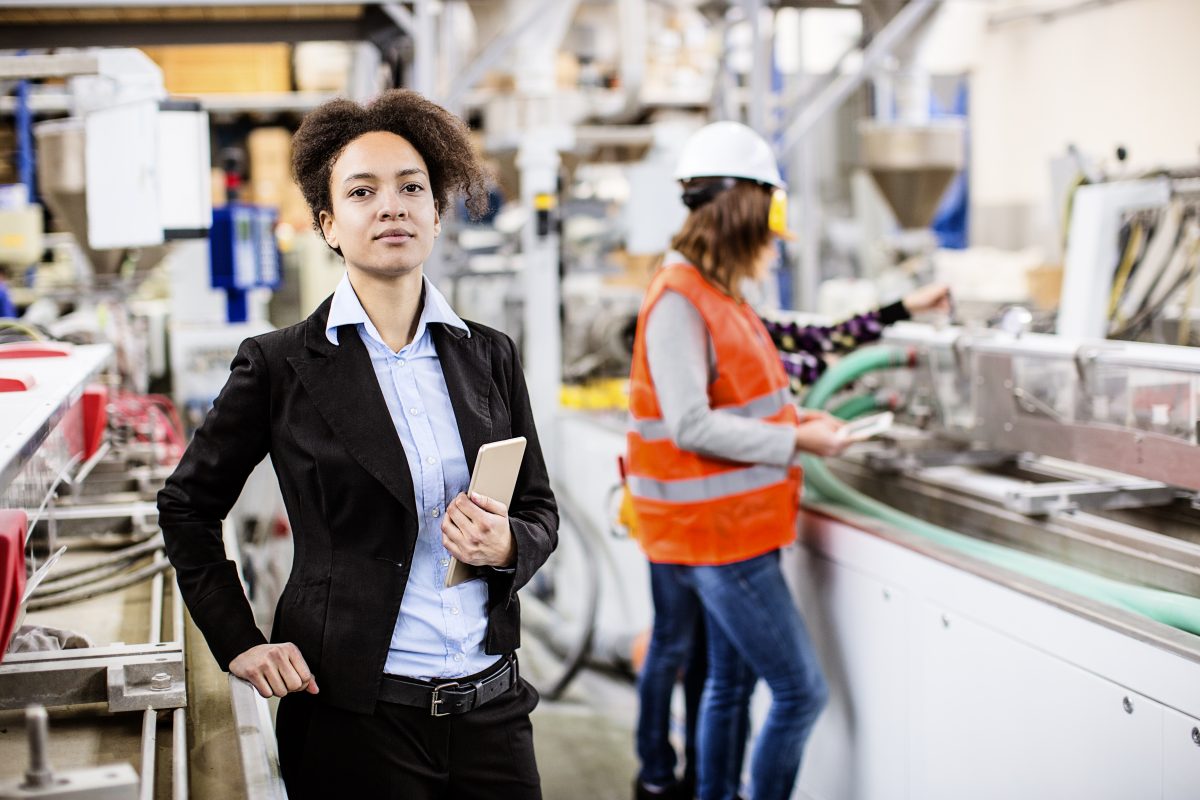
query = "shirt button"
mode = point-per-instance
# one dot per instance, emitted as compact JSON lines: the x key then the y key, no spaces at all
{"x":458,"y":657}
{"x":401,"y":362}
{"x":431,"y":460}
{"x":413,"y":411}
{"x":454,"y":611}
{"x":436,"y":512}
{"x":445,"y":562}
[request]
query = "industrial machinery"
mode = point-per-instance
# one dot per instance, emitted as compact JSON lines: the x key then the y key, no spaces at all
{"x":1011,"y":578}
{"x":94,"y":627}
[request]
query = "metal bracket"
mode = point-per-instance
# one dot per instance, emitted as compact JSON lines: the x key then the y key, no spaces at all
{"x":894,"y":461}
{"x":127,"y":677}
{"x":114,"y":782}
{"x":1049,"y":498}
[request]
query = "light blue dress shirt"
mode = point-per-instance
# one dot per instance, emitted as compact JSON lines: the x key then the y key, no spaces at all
{"x":439,"y":632}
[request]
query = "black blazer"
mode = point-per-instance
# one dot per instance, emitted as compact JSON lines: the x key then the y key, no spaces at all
{"x":318,"y":411}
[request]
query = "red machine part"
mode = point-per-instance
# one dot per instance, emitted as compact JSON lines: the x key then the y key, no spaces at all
{"x":13,"y":525}
{"x":11,"y":382}
{"x":34,"y":350}
{"x":95,"y":418}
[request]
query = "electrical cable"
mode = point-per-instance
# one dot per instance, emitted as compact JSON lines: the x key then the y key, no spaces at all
{"x":1129,"y":257}
{"x":574,"y":654}
{"x":105,"y":587}
{"x":147,"y":545}
{"x":1158,"y":252}
{"x":22,"y":328}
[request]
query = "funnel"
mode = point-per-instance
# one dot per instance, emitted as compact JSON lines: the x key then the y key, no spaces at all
{"x":62,"y":182}
{"x":913,"y":165}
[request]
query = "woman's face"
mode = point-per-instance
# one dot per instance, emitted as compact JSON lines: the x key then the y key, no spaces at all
{"x":384,"y":217}
{"x":766,"y":258}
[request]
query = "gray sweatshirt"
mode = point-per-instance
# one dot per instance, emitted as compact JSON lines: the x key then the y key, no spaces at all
{"x":682,"y":364}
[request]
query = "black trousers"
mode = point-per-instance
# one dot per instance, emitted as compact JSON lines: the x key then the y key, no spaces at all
{"x":403,"y":753}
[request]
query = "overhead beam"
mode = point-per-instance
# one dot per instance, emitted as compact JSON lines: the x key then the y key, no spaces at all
{"x":14,"y":36}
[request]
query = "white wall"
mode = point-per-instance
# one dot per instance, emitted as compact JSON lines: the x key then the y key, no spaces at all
{"x":1119,"y":74}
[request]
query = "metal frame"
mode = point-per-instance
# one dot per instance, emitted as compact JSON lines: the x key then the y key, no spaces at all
{"x":1007,"y":418}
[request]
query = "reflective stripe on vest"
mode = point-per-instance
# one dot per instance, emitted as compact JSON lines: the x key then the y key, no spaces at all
{"x":712,"y":487}
{"x":654,"y":430}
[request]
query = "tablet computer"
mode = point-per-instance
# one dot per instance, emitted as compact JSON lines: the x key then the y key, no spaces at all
{"x":864,"y":428}
{"x":494,"y":476}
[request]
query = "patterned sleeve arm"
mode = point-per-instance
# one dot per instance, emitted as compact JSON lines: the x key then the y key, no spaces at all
{"x":803,"y":347}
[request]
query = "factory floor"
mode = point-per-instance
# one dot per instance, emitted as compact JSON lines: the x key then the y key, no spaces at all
{"x":584,"y":740}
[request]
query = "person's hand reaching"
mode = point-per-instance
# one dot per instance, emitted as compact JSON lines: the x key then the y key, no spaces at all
{"x":932,"y":297}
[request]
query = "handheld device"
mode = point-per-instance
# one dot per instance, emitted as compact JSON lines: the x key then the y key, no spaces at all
{"x":494,"y":476}
{"x":862,"y":429}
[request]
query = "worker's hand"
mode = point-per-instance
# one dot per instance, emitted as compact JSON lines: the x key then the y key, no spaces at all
{"x":934,"y":297}
{"x":275,"y":669}
{"x":475,"y":530}
{"x":820,"y":436}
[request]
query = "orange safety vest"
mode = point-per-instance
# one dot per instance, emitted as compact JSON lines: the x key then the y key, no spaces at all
{"x":692,"y":508}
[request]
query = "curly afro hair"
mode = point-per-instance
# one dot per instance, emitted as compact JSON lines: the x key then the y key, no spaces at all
{"x":440,"y":137}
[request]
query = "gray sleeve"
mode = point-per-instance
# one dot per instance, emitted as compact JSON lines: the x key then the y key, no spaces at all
{"x":677,"y":349}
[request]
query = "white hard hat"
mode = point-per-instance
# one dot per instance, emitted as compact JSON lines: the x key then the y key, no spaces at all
{"x":728,"y":150}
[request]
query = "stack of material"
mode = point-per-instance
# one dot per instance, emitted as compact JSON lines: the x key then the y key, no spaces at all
{"x":224,"y":69}
{"x":271,"y":184}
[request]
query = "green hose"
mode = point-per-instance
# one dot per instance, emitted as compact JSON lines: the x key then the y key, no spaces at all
{"x":853,"y":367}
{"x":1177,"y":610}
{"x":858,"y":406}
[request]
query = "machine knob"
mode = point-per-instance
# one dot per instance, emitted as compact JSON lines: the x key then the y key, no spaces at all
{"x":1196,"y":736}
{"x":1127,"y":704}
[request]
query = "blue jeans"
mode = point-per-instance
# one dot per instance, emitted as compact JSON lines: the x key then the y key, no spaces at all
{"x":676,"y":645}
{"x":754,"y":630}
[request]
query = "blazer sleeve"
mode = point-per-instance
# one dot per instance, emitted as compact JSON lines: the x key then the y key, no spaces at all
{"x":533,"y":513}
{"x":233,"y":439}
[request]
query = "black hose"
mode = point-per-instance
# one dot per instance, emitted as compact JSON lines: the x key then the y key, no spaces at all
{"x":138,"y":550}
{"x":577,"y":653}
{"x":105,"y":587}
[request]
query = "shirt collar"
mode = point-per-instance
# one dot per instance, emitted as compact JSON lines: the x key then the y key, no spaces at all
{"x":347,"y":310}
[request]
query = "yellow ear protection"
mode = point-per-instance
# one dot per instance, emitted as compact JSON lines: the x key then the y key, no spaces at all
{"x":777,"y":217}
{"x":701,"y":192}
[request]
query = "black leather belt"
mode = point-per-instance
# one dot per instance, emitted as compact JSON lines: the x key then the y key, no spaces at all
{"x":443,"y":698}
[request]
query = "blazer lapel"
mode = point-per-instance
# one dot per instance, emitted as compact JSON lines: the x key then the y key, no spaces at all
{"x":342,"y":384}
{"x":466,"y":365}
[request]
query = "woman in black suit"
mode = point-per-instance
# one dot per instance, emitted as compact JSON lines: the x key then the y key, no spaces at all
{"x":372,"y":410}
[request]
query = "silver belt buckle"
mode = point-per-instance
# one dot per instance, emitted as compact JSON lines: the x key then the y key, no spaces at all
{"x":436,"y":701}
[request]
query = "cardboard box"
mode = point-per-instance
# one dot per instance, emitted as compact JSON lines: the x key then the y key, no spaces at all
{"x":323,"y":66}
{"x":1045,"y":286}
{"x":224,"y":68}
{"x":270,"y":153}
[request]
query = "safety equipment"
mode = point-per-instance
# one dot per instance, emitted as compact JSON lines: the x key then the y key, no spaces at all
{"x":728,"y":150}
{"x":777,"y":216}
{"x":691,"y":508}
{"x":732,"y":150}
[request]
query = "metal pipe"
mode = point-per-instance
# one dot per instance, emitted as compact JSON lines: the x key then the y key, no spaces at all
{"x":890,"y":37}
{"x":156,"y":608}
{"x":177,"y":632}
{"x":1046,"y":13}
{"x":179,"y":751}
{"x":757,"y":113}
{"x":149,"y":734}
{"x":495,"y":50}
{"x":39,"y":775}
{"x":179,"y":756}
